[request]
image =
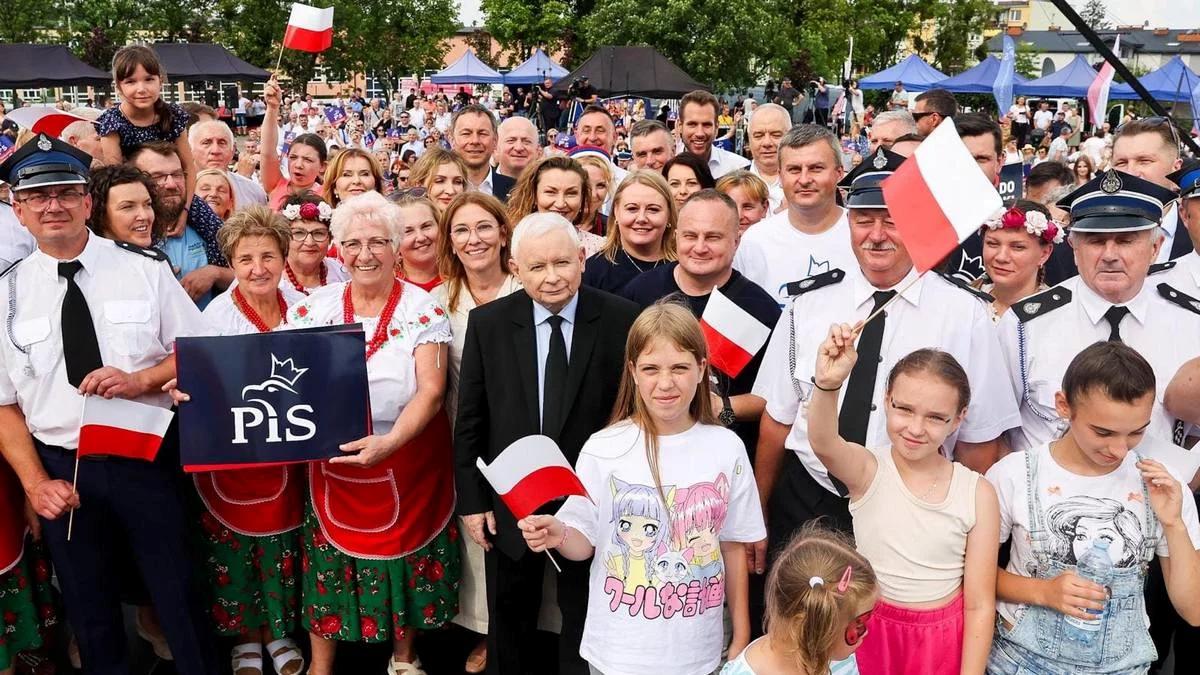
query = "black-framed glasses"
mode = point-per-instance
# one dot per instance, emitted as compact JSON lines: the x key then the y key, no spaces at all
{"x":40,"y":201}
{"x":318,"y":236}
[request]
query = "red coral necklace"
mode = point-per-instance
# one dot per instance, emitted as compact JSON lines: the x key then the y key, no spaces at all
{"x":385,"y":317}
{"x":252,"y":316}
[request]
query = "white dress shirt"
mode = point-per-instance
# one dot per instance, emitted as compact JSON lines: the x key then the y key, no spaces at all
{"x":246,"y":192}
{"x":15,"y":241}
{"x":1164,"y":333}
{"x":542,"y":330}
{"x":1185,"y":276}
{"x":721,"y":162}
{"x":1170,"y":223}
{"x":139,"y":310}
{"x":930,"y":313}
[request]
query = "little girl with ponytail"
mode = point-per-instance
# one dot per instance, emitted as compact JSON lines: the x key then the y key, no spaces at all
{"x":820,"y":594}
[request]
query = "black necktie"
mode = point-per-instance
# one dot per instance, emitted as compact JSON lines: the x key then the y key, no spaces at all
{"x":860,"y":387}
{"x":554,"y":389}
{"x":1113,"y":316}
{"x":81,"y":350}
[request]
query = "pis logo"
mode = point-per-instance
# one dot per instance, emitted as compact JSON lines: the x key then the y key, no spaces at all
{"x":283,"y":378}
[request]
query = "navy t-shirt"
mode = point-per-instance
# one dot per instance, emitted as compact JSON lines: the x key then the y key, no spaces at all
{"x":612,"y":275}
{"x":659,"y":282}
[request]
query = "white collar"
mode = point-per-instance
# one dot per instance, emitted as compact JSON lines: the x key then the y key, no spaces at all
{"x":540,"y":313}
{"x":1095,"y":306}
{"x":863,"y":290}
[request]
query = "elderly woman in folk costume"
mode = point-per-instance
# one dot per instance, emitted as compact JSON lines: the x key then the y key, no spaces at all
{"x":381,"y":556}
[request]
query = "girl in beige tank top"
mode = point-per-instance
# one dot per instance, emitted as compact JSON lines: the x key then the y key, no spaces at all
{"x":928,"y":526}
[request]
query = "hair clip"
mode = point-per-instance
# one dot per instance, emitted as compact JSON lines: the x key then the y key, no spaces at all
{"x":815,"y":581}
{"x":844,"y":583}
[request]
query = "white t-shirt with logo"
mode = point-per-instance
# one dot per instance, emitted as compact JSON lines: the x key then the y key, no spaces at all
{"x":1076,"y":511}
{"x":657,"y":583}
{"x":773,"y":253}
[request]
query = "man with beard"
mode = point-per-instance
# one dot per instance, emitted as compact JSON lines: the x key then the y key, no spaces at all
{"x":201,"y":275}
{"x":698,"y":112}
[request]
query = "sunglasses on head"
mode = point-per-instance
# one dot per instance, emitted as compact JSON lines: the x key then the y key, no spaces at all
{"x":1158,"y":121}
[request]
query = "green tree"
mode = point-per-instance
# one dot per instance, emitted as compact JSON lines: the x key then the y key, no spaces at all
{"x":22,"y":20}
{"x":95,"y":29}
{"x":389,"y":37}
{"x":723,"y":43}
{"x":1028,"y":63}
{"x":955,"y":21}
{"x":520,"y":26}
{"x":172,"y":20}
{"x":1095,"y":15}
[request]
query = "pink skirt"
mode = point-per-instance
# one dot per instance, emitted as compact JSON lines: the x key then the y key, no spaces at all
{"x":903,"y":640}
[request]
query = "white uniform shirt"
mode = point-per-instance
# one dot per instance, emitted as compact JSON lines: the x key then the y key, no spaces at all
{"x":1165,"y":334}
{"x":15,"y":241}
{"x":1185,"y":276}
{"x":774,"y":188}
{"x":930,"y":313}
{"x":773,"y":254}
{"x":721,"y":162}
{"x":137,"y":306}
{"x":246,"y":192}
{"x":1170,"y":225}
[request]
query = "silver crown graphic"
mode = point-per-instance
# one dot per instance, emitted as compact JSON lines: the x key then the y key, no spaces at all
{"x":283,"y":376}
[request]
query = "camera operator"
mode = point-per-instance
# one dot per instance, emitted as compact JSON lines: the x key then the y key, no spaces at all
{"x":820,"y":96}
{"x":548,"y":109}
{"x":582,"y":91}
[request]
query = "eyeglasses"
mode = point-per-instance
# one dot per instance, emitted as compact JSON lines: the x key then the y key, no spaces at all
{"x":161,"y":178}
{"x":857,"y":630}
{"x":67,"y":199}
{"x":318,"y":236}
{"x":918,"y":116}
{"x":376,"y":246}
{"x":483,"y":231}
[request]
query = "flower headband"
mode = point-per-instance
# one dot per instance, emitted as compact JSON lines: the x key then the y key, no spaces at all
{"x":321,"y":212}
{"x":1033,"y":222}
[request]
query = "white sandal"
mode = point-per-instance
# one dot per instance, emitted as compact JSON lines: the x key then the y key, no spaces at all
{"x":286,"y":656}
{"x":404,"y":668}
{"x":247,"y":659}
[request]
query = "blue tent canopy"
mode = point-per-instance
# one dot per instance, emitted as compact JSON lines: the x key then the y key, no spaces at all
{"x":977,"y":80}
{"x":1072,"y":81}
{"x":468,"y":69}
{"x":1174,"y":81}
{"x":535,"y":69}
{"x":912,"y":71}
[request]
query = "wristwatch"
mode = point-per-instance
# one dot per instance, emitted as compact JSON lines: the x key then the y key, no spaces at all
{"x":726,"y":415}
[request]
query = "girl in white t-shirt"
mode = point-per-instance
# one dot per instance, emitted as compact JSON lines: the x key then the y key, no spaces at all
{"x":672,"y":501}
{"x":820,"y":595}
{"x":928,"y":526}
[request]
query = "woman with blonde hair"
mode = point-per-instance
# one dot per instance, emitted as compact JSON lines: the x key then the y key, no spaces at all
{"x":473,"y":253}
{"x":600,"y":178}
{"x":216,"y":189}
{"x":558,"y":185}
{"x":750,"y":194}
{"x":350,"y":173}
{"x":417,"y":253}
{"x":641,"y":234}
{"x":442,"y":175}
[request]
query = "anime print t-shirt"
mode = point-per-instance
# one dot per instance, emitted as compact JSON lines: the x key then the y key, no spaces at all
{"x":657,"y":583}
{"x":1077,"y":510}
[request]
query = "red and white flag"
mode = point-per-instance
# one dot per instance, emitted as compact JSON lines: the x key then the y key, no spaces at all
{"x":122,"y":428}
{"x":1097,"y":96}
{"x":310,"y":29}
{"x":939,"y":197}
{"x":733,"y":335}
{"x":529,"y":473}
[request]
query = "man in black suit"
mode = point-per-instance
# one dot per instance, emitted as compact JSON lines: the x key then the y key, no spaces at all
{"x":546,"y":361}
{"x":473,"y":133}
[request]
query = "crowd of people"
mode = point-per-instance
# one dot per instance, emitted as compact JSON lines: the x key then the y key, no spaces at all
{"x":982,"y":468}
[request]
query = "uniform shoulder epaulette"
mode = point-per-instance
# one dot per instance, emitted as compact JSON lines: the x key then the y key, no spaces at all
{"x":956,"y":281}
{"x":1042,"y":303}
{"x":10,"y":268}
{"x":1178,"y":297}
{"x":814,"y":282}
{"x":1162,"y":267}
{"x":152,"y":253}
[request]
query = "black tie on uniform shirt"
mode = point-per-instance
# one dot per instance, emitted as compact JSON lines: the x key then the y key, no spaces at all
{"x":1113,"y":316}
{"x":855,"y":414}
{"x":81,"y":349}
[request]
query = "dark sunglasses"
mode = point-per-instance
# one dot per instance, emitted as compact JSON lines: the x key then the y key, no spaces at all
{"x":857,"y":630}
{"x":918,"y":116}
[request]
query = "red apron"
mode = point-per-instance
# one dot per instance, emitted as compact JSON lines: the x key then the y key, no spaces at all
{"x":393,"y":508}
{"x":12,"y":518}
{"x":258,"y":501}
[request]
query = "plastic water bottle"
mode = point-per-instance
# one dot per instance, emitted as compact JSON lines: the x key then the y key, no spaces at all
{"x":1094,"y":565}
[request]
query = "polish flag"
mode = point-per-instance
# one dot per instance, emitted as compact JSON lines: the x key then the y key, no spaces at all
{"x":733,"y":335}
{"x":939,"y":197}
{"x":1097,"y":95}
{"x":529,"y":473}
{"x":310,"y":29}
{"x":122,"y":428}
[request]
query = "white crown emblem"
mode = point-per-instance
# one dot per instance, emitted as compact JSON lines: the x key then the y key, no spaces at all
{"x":283,"y":376}
{"x":44,"y":143}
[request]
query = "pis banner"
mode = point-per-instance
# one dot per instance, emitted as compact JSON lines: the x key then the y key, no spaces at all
{"x":271,"y":398}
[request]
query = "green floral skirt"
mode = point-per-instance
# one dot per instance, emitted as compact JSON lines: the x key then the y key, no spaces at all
{"x":27,"y":605}
{"x":360,"y":600}
{"x":253,"y":581}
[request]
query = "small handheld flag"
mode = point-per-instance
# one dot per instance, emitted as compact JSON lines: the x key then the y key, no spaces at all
{"x":122,"y":428}
{"x":939,"y":197}
{"x":733,"y":335}
{"x":530,"y":473}
{"x":310,"y":29}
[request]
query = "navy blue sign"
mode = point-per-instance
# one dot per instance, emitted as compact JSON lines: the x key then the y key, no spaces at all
{"x":271,"y":398}
{"x":1012,"y":178}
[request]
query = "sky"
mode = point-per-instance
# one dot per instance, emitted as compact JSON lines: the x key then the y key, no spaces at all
{"x":1160,"y":13}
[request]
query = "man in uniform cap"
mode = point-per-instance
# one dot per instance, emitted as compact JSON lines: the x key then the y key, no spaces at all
{"x":85,"y":316}
{"x":1185,"y":274}
{"x":1115,"y":235}
{"x":931,"y":311}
